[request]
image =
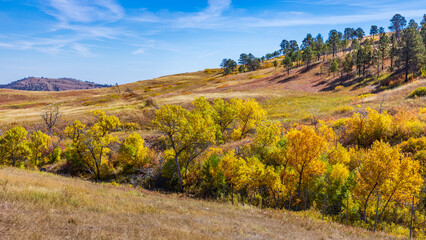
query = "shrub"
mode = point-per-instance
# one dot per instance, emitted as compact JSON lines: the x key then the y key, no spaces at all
{"x":343,"y":109}
{"x":423,"y":72}
{"x":338,"y":88}
{"x":418,"y":92}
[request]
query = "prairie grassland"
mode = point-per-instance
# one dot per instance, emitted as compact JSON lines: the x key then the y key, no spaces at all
{"x":38,"y":205}
{"x":294,"y":97}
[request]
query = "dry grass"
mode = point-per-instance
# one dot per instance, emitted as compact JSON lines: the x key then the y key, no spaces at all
{"x":45,"y":206}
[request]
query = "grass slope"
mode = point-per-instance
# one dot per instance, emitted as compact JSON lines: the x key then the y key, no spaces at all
{"x":288,"y":98}
{"x":36,"y":205}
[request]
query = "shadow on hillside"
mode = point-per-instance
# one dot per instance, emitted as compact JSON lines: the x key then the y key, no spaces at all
{"x":346,"y":81}
{"x":275,"y":77}
{"x":306,"y":69}
{"x":288,"y":79}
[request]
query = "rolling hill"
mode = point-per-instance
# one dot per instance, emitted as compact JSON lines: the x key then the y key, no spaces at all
{"x":51,"y":84}
{"x":76,"y":209}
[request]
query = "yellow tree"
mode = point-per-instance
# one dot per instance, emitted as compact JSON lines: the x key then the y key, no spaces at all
{"x":365,"y":128}
{"x":267,"y":145}
{"x":377,"y":166}
{"x":249,"y":115}
{"x":187,"y":133}
{"x":90,"y":146}
{"x":401,"y":186}
{"x":224,"y":117}
{"x":133,"y":153}
{"x":39,"y":144}
{"x":305,"y":147}
{"x":234,"y":170}
{"x":14,"y":146}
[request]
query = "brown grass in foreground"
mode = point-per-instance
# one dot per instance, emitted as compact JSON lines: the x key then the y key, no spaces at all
{"x":44,"y":206}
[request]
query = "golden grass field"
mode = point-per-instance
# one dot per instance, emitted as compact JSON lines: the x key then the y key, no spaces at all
{"x":35,"y":205}
{"x":288,"y":98}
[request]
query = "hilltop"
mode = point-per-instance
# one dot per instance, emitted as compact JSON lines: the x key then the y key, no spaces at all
{"x":51,"y":84}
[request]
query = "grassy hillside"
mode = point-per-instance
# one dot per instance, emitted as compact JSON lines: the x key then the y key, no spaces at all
{"x":38,"y":205}
{"x":293,"y":97}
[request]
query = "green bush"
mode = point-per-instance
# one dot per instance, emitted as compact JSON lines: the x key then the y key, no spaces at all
{"x":418,"y":92}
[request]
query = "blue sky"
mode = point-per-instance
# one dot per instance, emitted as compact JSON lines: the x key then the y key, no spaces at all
{"x":122,"y":41}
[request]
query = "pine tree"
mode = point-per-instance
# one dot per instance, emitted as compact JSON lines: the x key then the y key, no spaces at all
{"x":398,"y":23}
{"x":383,"y":45}
{"x":411,"y":51}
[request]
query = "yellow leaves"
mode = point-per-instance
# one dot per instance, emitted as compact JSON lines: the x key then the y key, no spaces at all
{"x":268,"y":134}
{"x":234,"y":169}
{"x":339,"y":173}
{"x":105,"y":123}
{"x":339,"y":154}
{"x":305,"y":147}
{"x":14,"y":148}
{"x":364,"y":129}
{"x":90,"y":146}
{"x":383,"y":168}
{"x":224,"y":116}
{"x":39,"y":143}
{"x":249,"y":115}
{"x":132,"y":152}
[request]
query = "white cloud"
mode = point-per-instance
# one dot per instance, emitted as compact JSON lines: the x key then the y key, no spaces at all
{"x":85,"y":11}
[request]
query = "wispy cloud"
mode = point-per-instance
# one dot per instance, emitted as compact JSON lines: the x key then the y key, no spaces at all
{"x":84,"y":11}
{"x":325,"y":20}
{"x":76,"y":21}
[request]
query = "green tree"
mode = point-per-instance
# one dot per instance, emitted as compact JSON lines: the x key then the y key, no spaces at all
{"x":411,"y":51}
{"x":393,"y":51}
{"x":241,"y":69}
{"x":348,"y":33}
{"x":383,"y":46}
{"x":355,"y":44}
{"x":376,"y":59}
{"x":308,"y":55}
{"x":348,"y":64}
{"x":412,"y":24}
{"x":333,"y":41}
{"x":285,"y":45}
{"x":398,"y":23}
{"x":374,"y":30}
{"x":359,"y":33}
{"x":228,"y":66}
{"x":288,"y":63}
{"x":423,"y":30}
{"x":334,"y":66}
{"x":319,"y":46}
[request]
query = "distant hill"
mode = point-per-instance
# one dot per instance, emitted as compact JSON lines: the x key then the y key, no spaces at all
{"x":51,"y":84}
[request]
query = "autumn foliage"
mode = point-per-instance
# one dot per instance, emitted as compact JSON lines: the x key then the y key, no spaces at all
{"x":226,"y":149}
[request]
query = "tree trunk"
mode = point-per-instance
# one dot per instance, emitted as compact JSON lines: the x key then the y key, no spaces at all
{"x":366,"y":201}
{"x":179,"y":173}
